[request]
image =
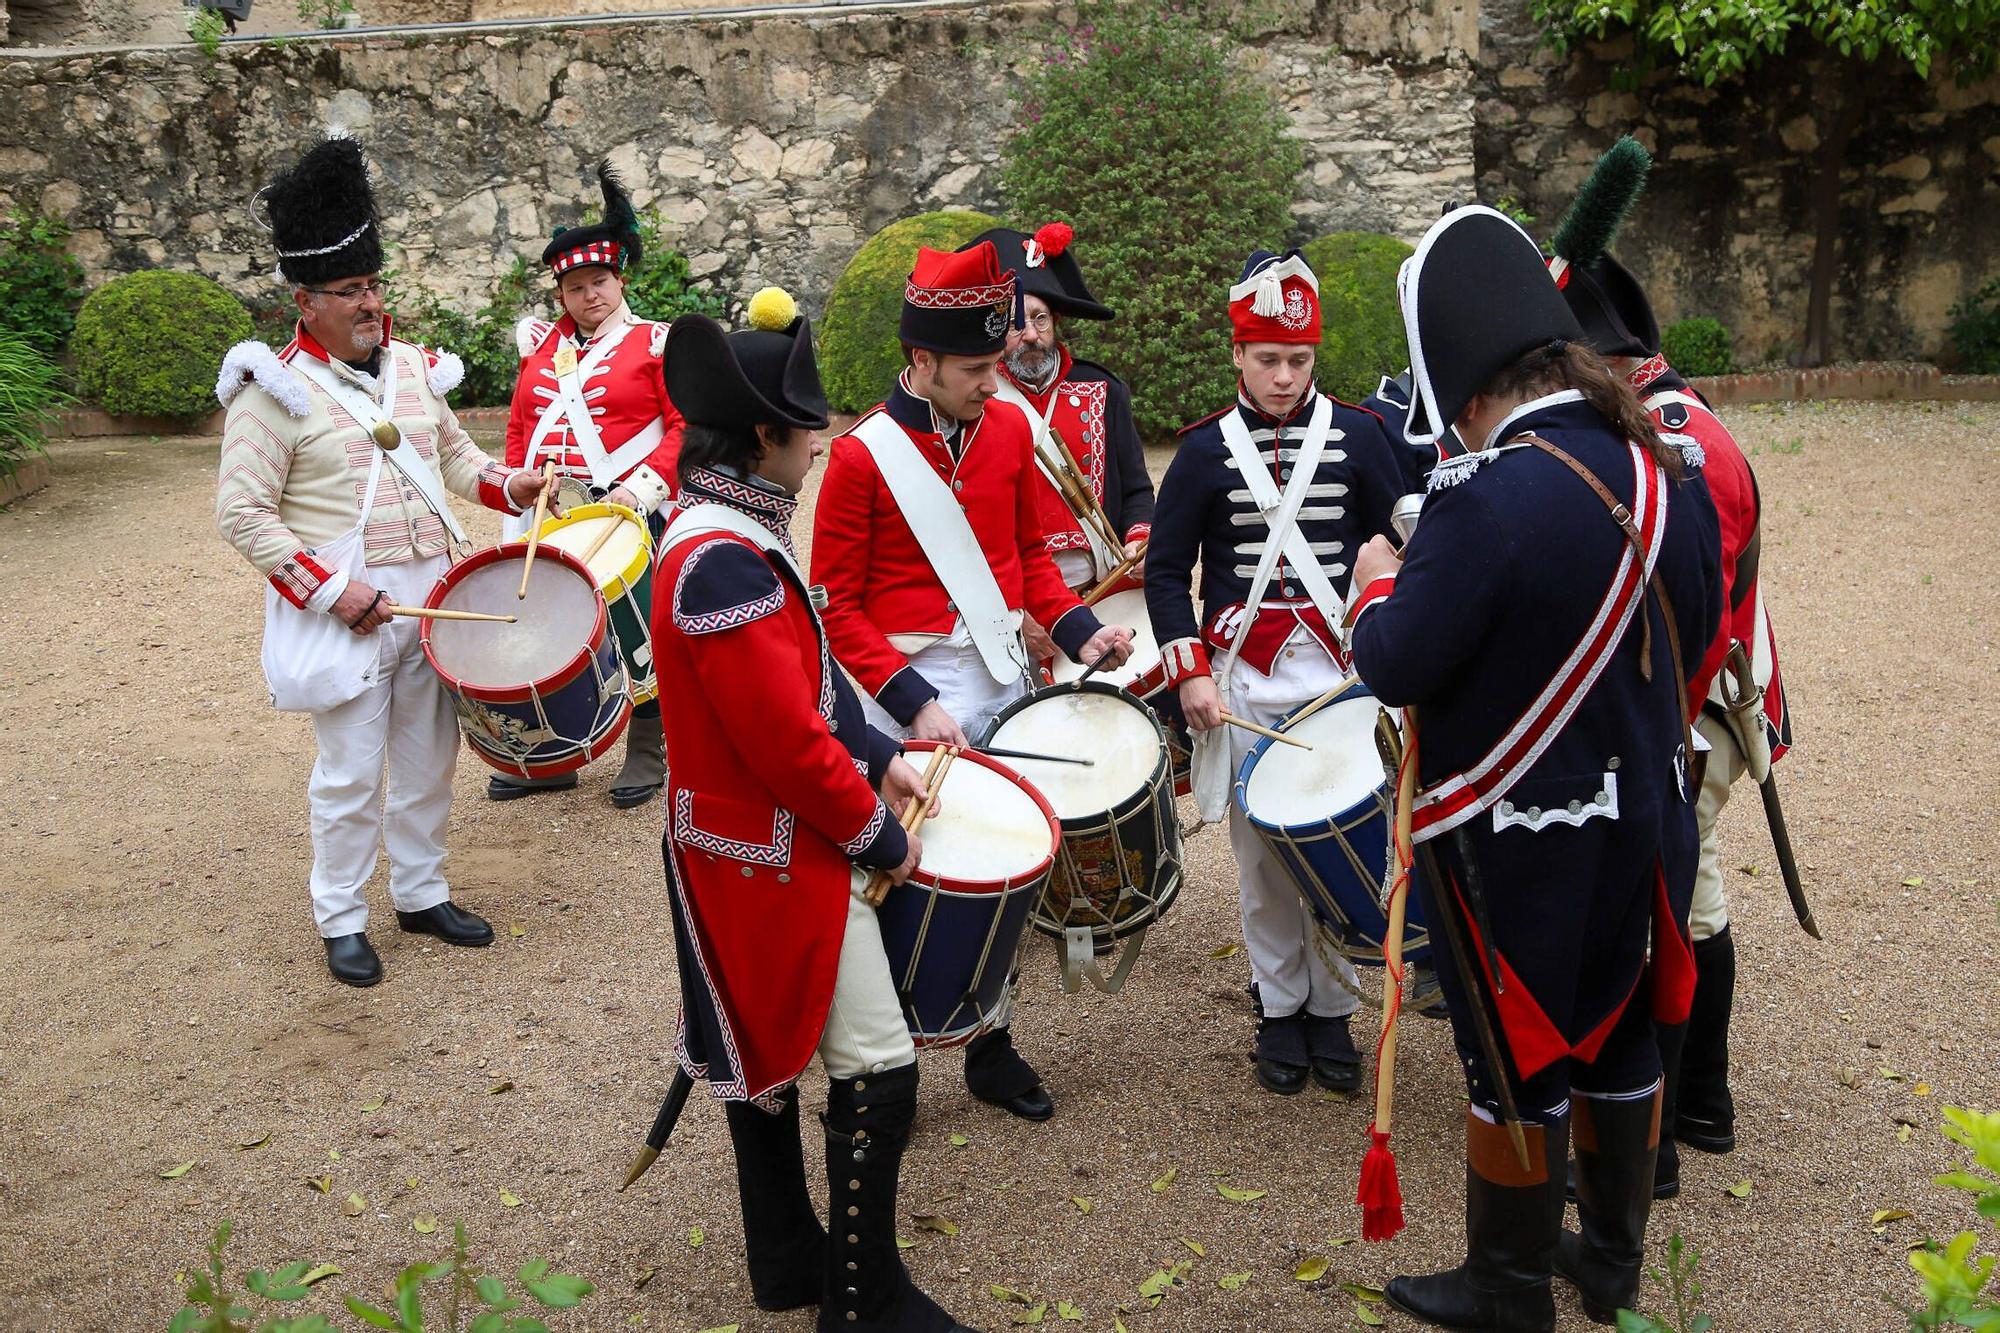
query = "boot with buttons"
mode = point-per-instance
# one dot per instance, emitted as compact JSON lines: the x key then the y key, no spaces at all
{"x":867,"y":1288}
{"x":785,"y":1244}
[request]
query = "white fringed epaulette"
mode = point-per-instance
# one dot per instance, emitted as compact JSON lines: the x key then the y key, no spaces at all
{"x":658,"y":345}
{"x":1460,"y":467}
{"x":1693,"y":457}
{"x":445,"y":371}
{"x":252,"y":360}
{"x":531,"y":333}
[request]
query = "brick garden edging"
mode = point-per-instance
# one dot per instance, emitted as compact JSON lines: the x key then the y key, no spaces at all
{"x":1902,"y":380}
{"x":29,"y":475}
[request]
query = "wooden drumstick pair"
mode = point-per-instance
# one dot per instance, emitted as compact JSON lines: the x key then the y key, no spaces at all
{"x":914,"y":816}
{"x":1103,"y":589}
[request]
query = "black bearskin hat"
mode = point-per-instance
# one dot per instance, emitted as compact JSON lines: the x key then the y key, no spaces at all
{"x":322,"y":215}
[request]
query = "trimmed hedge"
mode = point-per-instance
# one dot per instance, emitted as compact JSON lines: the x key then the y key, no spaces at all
{"x":1698,"y":346}
{"x":1361,"y":329}
{"x":149,"y":344}
{"x":859,"y":352}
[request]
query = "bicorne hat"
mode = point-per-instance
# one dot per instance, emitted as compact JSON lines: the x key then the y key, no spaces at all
{"x":765,"y":373}
{"x":1045,"y":266}
{"x":1275,"y":301}
{"x":1609,"y":303}
{"x":612,"y":242}
{"x":959,"y":303}
{"x":322,"y":215}
{"x":1476,"y":297}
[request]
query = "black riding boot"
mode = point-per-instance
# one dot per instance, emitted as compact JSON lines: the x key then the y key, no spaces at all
{"x":1672,"y":1041}
{"x":1614,"y":1194}
{"x":1704,"y":1117}
{"x":782,"y":1236}
{"x":867,"y":1288}
{"x":1512,"y":1219}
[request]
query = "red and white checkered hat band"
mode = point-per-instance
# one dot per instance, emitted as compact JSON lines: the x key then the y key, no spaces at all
{"x":609,"y":253}
{"x":959,"y":298}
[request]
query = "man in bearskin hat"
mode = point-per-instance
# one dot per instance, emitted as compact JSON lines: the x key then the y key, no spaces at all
{"x":1074,"y":406}
{"x":1538,"y":630}
{"x":1744,"y":733}
{"x":592,"y":398}
{"x":1269,"y":640}
{"x":928,"y":540}
{"x":336,"y":455}
{"x":779,"y":959}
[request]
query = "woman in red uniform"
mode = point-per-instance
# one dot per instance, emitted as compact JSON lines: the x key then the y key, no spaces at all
{"x":773,"y":802}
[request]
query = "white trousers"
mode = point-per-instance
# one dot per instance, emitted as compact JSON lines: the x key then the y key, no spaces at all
{"x":1709,"y":915}
{"x":866,"y":1032}
{"x":1277,"y":925}
{"x":402,"y":722}
{"x":966,"y":689}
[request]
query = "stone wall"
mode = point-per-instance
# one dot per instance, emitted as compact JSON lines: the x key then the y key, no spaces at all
{"x":1724,"y":229}
{"x":771,"y":149}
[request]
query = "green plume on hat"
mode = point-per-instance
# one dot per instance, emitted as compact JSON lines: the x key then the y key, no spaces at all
{"x":1592,"y":223}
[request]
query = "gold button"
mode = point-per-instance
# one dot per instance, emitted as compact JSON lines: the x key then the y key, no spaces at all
{"x":852,"y":1211}
{"x":854,"y":1184}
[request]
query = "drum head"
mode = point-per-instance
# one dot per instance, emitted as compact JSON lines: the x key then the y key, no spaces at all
{"x":1126,"y":608}
{"x":558,"y":619}
{"x":1115,"y":732}
{"x":987,"y":827}
{"x":625,"y":547}
{"x":1289,"y":786}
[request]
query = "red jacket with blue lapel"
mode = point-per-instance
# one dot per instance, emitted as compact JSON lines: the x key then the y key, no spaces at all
{"x":1091,"y":410}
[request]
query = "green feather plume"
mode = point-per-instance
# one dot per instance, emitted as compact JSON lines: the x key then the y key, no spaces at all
{"x":1592,"y":222}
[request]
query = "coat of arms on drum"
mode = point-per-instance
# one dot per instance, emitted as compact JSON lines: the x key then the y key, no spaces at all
{"x":1103,"y":897}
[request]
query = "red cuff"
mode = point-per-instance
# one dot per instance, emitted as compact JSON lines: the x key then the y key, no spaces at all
{"x":1138,"y":532}
{"x":493,"y":489}
{"x":1373,"y":593}
{"x":1184,"y":659}
{"x":298,"y":577}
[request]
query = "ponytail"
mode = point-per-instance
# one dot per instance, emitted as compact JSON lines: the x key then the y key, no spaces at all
{"x":1559,"y":364}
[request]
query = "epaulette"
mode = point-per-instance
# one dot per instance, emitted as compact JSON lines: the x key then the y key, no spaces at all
{"x":252,"y":360}
{"x":443,"y":370}
{"x":1460,"y":467}
{"x":724,"y":583}
{"x":531,"y":333}
{"x":1693,"y":457}
{"x":1197,"y":425}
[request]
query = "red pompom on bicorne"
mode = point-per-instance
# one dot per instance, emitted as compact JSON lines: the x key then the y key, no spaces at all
{"x":1054,"y":237}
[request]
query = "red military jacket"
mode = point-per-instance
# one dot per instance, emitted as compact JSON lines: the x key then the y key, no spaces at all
{"x":771,"y":797}
{"x":1091,"y":411}
{"x":877,"y":578}
{"x":625,"y":392}
{"x":1682,"y":415}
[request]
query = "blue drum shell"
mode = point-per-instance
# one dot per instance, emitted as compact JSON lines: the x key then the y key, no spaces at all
{"x":951,"y":953}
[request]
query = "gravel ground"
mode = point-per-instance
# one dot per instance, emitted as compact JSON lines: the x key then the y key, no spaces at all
{"x":169,"y":1003}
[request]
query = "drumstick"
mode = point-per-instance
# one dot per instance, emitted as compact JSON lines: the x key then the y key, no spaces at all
{"x":439,"y":613}
{"x":1325,"y":699}
{"x":998,"y":752}
{"x":913,"y":818}
{"x":535,"y":529}
{"x":1103,"y":589}
{"x":1077,"y":492}
{"x":610,"y":526}
{"x":1236,"y":721}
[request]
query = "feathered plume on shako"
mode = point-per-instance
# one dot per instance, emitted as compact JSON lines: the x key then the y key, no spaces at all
{"x":1046,"y":267}
{"x":612,"y":242}
{"x":1609,"y":302}
{"x":322,"y":215}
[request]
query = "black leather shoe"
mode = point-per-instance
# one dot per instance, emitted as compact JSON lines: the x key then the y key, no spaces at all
{"x":503,"y":789}
{"x":1034,"y":1104}
{"x":996,"y":1074}
{"x":1280,"y":1054}
{"x":1335,"y":1064}
{"x":352,"y":960}
{"x":449,"y":923}
{"x":629,"y":798}
{"x":1285,"y":1080}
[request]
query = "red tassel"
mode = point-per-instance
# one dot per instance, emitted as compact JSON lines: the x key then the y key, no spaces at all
{"x":1379,"y":1193}
{"x":1054,"y":238}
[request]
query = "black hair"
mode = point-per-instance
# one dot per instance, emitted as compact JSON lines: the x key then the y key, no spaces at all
{"x":707,"y":446}
{"x":1559,"y":364}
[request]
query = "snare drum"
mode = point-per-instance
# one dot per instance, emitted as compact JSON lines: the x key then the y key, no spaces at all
{"x":540,"y":697}
{"x":623,"y":568}
{"x":953,"y":929}
{"x":1119,"y":866}
{"x":1325,"y":813}
{"x":1144,"y":674}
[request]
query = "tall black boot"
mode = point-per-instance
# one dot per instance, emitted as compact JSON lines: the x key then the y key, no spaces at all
{"x":867,"y":1288}
{"x":1512,"y":1220}
{"x":782,"y":1236}
{"x":1705,"y":1115}
{"x":1667,"y":1158}
{"x":1614,"y":1195}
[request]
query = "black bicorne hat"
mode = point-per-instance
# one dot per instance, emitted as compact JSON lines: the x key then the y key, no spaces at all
{"x":612,"y":242}
{"x":741,"y":379}
{"x":1045,"y":267}
{"x":1476,"y":297}
{"x":322,"y":215}
{"x":1617,"y":318}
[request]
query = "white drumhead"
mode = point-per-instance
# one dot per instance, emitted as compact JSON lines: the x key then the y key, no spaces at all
{"x":1290,"y":786}
{"x":618,"y":551}
{"x":986,"y":827}
{"x":1117,"y":734}
{"x":1126,"y":608}
{"x":556,"y":619}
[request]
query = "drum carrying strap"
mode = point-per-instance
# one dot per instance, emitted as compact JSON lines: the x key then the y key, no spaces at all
{"x":369,"y":414}
{"x":569,"y":406}
{"x":1079,"y":960}
{"x":1048,"y":449}
{"x":941,"y":529}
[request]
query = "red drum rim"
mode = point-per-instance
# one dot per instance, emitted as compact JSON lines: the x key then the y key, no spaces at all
{"x":981,"y":887}
{"x":555,"y":680}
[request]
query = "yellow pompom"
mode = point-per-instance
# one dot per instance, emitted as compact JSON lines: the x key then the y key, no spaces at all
{"x":773,"y":309}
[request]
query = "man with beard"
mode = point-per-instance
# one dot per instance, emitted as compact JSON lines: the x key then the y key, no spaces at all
{"x":331,"y":487}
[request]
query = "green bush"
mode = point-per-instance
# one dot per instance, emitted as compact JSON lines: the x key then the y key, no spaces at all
{"x":40,"y":284}
{"x":1958,"y":1286}
{"x":148,"y":344}
{"x":859,"y":352}
{"x":661,"y":287}
{"x":1361,"y":324}
{"x":1142,"y":131}
{"x":30,"y":393}
{"x":1975,"y":330}
{"x":1698,"y":346}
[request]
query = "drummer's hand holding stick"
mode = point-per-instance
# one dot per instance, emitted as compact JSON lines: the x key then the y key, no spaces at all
{"x":1201,"y":702}
{"x":360,"y":607}
{"x":1109,"y":647}
{"x":913,"y":817}
{"x":525,"y":486}
{"x":932,"y":723}
{"x":542,"y":497}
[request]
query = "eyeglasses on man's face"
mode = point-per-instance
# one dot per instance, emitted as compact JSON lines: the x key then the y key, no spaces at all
{"x":355,"y":294}
{"x":1041,"y":321}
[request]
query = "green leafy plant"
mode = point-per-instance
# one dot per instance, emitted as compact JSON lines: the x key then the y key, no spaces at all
{"x":1514,"y":209}
{"x":859,"y":352}
{"x":1164,"y":216}
{"x":40,"y":283}
{"x":327,"y":14}
{"x":1958,"y":1285}
{"x":205,"y":28}
{"x":1679,"y":1280}
{"x":215,"y":1306}
{"x":30,"y":393}
{"x":1975,"y":330}
{"x":660,"y":286}
{"x":1699,"y":346}
{"x":1361,"y":326}
{"x":148,"y":344}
